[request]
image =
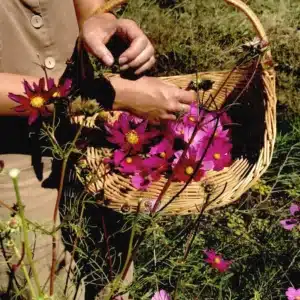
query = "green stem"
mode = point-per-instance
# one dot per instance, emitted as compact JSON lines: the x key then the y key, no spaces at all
{"x":25,"y":235}
{"x":31,"y":289}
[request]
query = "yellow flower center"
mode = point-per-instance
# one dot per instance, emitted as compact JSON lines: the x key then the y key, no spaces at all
{"x":37,"y":101}
{"x":162,"y":154}
{"x":217,"y":260}
{"x":56,"y":94}
{"x":297,"y":298}
{"x":129,"y":160}
{"x":192,"y":119}
{"x":217,"y":156}
{"x":189,"y":170}
{"x":132,"y":137}
{"x":181,"y":132}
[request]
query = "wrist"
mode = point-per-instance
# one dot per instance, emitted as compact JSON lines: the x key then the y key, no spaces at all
{"x":123,"y":89}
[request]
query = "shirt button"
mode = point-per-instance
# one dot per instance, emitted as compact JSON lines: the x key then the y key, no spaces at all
{"x":37,"y":21}
{"x":49,"y":62}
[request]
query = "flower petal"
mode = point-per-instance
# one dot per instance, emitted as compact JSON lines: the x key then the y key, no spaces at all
{"x":294,"y":208}
{"x":28,"y":89}
{"x":19,"y":108}
{"x":33,"y":116}
{"x":19,"y":99}
{"x":288,"y":224}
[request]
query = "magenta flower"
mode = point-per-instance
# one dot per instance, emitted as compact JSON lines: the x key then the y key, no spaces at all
{"x":216,"y":261}
{"x":174,"y":129}
{"x":187,"y":166}
{"x":219,"y":154}
{"x":142,"y":179}
{"x":289,"y":224}
{"x":128,"y":135}
{"x":150,"y":171}
{"x":161,"y":295}
{"x":127,"y":164}
{"x":293,"y":294}
{"x":163,"y":149}
{"x":213,"y":126}
{"x":198,"y":141}
{"x":34,"y":102}
{"x":61,"y":90}
{"x":191,"y":118}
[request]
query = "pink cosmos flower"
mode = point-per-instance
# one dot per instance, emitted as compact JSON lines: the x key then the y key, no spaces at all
{"x":213,"y":126}
{"x":130,"y":137}
{"x":163,"y":149}
{"x":219,"y":154}
{"x":150,"y":171}
{"x":289,"y":224}
{"x":35,"y":101}
{"x":61,"y":90}
{"x":174,"y":129}
{"x":193,"y":115}
{"x":293,"y":294}
{"x":161,"y":295}
{"x":142,"y":179}
{"x":216,"y":261}
{"x":187,"y":166}
{"x":198,"y":140}
{"x":127,"y":164}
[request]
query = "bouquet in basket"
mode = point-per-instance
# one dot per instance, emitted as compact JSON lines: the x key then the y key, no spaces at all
{"x":185,"y":149}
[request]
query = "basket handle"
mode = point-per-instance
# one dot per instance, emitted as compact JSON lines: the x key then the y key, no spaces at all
{"x":251,"y":16}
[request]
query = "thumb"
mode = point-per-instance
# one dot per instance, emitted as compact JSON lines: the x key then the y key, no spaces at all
{"x":100,"y":51}
{"x":96,"y":33}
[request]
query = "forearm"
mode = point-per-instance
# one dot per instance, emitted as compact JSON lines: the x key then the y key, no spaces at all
{"x":85,"y":8}
{"x":12,"y":83}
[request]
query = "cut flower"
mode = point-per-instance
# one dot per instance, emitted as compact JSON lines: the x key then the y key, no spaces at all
{"x":35,"y":101}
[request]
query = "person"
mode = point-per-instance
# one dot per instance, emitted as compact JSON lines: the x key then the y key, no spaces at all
{"x":35,"y":33}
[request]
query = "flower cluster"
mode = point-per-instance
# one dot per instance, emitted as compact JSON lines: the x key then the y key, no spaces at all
{"x":188,"y":147}
{"x":38,"y":96}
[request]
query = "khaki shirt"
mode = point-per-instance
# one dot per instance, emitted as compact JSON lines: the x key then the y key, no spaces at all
{"x":34,"y":32}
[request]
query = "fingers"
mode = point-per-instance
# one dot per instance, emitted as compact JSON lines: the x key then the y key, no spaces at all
{"x":140,"y":54}
{"x":146,"y":66}
{"x":144,"y":54}
{"x":186,"y":97}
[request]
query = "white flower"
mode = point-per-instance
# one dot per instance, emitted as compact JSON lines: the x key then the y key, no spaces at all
{"x":14,"y":173}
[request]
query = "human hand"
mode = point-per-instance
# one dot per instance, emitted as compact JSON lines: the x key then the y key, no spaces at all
{"x":151,"y":98}
{"x":97,"y":31}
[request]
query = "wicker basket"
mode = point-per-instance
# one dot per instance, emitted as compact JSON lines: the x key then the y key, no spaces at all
{"x":252,"y":152}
